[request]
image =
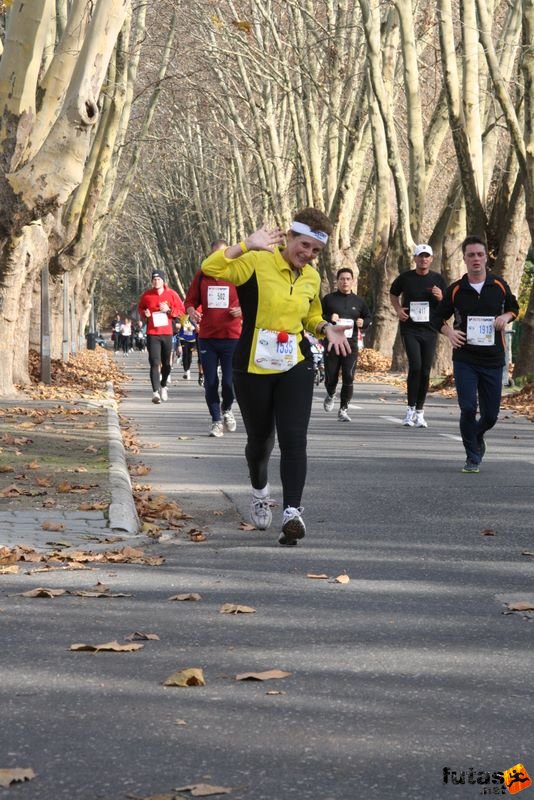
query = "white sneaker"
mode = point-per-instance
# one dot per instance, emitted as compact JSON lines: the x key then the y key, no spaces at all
{"x":328,"y":403}
{"x":187,"y":375}
{"x":217,"y":429}
{"x":164,"y":394}
{"x":343,"y":415}
{"x":169,"y":380}
{"x":293,"y":527}
{"x":260,"y":512}
{"x":409,"y":419}
{"x":229,"y":422}
{"x":420,"y":421}
{"x":156,"y":397}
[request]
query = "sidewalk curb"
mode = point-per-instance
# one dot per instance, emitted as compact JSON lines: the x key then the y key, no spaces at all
{"x":122,"y":511}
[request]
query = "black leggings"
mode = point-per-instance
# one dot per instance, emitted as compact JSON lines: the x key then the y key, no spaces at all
{"x":187,"y":353}
{"x":282,"y":401}
{"x":159,"y":357}
{"x":347,"y":364}
{"x":420,"y":348}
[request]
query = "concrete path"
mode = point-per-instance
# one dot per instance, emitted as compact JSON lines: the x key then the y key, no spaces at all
{"x":405,"y":677}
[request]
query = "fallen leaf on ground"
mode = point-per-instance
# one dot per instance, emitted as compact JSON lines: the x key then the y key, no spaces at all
{"x":7,"y":556}
{"x":268,"y":675}
{"x":6,"y":468}
{"x":108,"y":647}
{"x":275,"y":691}
{"x":187,"y":596}
{"x":193,"y":676}
{"x":197,"y":536}
{"x":33,"y":465}
{"x":142,"y":637}
{"x":342,"y":579}
{"x":246,"y":526}
{"x":317,"y":577}
{"x":231,"y":608}
{"x":20,"y":775}
{"x":204,"y":789}
{"x":88,"y":593}
{"x":488,"y":532}
{"x":93,"y":506}
{"x":527,"y":553}
{"x":139,"y":469}
{"x":42,"y":592}
{"x":180,"y":722}
{"x":521,"y":606}
{"x":60,"y":543}
{"x":12,"y":570}
{"x":43,"y":482}
{"x":53,"y":526}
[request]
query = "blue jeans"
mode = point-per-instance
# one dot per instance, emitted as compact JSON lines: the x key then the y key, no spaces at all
{"x":482,"y":387}
{"x":212,"y":353}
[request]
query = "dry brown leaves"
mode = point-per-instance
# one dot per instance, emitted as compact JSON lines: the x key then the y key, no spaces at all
{"x":267,"y":675}
{"x":107,"y":647}
{"x":17,"y":775}
{"x":192,"y":676}
{"x":522,"y":401}
{"x":232,"y":608}
{"x":76,"y":559}
{"x":85,"y":374}
{"x":372,"y":361}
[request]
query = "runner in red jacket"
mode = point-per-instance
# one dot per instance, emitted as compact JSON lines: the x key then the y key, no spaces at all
{"x":158,"y":306}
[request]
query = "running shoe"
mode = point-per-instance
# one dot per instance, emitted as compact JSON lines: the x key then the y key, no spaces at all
{"x":217,"y":429}
{"x":409,"y":419}
{"x":293,"y":527}
{"x":419,"y":420}
{"x":156,"y":397}
{"x":201,"y":380}
{"x":229,"y":422}
{"x":470,"y":467}
{"x":343,"y":415}
{"x":164,"y":394}
{"x":187,"y":375}
{"x":260,"y":512}
{"x":329,"y":401}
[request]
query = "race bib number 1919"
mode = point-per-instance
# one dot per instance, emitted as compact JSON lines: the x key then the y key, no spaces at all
{"x":481,"y":331}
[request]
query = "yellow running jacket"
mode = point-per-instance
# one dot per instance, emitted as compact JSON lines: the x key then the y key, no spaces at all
{"x":271,"y":298}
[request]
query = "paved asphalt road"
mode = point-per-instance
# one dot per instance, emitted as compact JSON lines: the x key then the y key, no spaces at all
{"x":409,"y":669}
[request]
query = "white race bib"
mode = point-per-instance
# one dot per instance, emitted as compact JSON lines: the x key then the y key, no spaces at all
{"x":159,"y":319}
{"x":349,"y":331}
{"x":218,"y":296}
{"x":481,"y":331}
{"x":420,"y":312}
{"x":275,"y":355}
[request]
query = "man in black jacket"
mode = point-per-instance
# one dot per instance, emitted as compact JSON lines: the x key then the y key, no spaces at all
{"x":346,"y":308}
{"x":483,"y":305}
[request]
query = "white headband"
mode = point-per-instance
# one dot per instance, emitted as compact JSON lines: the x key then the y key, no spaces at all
{"x":301,"y":227}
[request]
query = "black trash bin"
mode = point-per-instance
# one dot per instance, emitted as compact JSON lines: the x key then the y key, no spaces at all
{"x":91,"y":341}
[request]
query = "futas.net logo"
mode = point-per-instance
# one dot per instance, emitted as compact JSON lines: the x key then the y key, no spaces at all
{"x":508,"y":781}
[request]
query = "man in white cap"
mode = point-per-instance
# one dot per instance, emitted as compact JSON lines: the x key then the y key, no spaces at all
{"x":414,"y":295}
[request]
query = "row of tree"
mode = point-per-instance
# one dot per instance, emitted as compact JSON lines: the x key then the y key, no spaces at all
{"x":404,"y":121}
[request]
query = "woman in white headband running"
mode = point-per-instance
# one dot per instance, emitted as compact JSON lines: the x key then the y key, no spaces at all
{"x":273,"y":365}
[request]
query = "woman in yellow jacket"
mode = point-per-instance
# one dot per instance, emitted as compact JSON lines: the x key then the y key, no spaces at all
{"x":273,"y":366}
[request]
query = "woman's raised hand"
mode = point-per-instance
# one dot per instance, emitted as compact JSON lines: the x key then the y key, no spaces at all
{"x":265,"y":238}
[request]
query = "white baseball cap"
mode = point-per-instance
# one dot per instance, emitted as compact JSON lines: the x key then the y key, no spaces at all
{"x":423,"y":248}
